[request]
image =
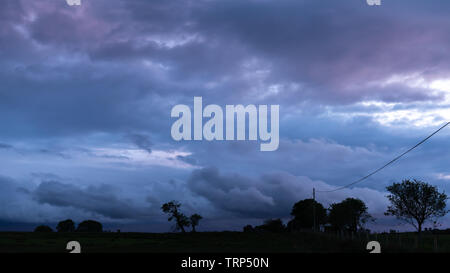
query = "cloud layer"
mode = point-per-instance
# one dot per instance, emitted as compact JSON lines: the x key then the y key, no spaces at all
{"x":87,"y":91}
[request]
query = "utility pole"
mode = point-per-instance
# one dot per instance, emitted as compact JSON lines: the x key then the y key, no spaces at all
{"x":314,"y":209}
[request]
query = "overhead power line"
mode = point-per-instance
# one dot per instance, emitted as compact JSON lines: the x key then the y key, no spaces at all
{"x":389,"y":163}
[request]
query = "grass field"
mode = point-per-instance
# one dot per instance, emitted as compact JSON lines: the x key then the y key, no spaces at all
{"x":213,"y":242}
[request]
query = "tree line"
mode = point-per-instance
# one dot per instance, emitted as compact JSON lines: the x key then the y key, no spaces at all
{"x":412,"y":201}
{"x":69,"y":226}
{"x":350,"y":215}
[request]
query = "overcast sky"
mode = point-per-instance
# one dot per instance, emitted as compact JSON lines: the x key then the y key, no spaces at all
{"x":86,"y":95}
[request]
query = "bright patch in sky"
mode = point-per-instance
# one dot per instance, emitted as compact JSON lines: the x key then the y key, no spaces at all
{"x":138,"y":157}
{"x":419,"y":114}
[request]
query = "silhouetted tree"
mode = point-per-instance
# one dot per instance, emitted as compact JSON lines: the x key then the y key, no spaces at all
{"x":43,"y":228}
{"x":271,"y":225}
{"x":248,"y":228}
{"x":349,"y":214}
{"x":303,"y":214}
{"x":90,"y":226}
{"x":293,"y":225}
{"x":194,"y":219}
{"x":66,"y":226}
{"x":172,"y":208}
{"x":415,"y":202}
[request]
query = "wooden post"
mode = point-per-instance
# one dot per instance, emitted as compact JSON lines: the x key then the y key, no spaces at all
{"x":314,"y":210}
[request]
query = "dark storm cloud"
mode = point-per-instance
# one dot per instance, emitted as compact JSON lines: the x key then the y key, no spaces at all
{"x":56,"y":153}
{"x":5,"y":146}
{"x":11,"y":11}
{"x":311,"y":42}
{"x":141,"y":141}
{"x":188,"y":159}
{"x":89,"y":104}
{"x":302,"y":42}
{"x":206,"y":43}
{"x":17,"y":206}
{"x":270,"y":195}
{"x":98,"y":200}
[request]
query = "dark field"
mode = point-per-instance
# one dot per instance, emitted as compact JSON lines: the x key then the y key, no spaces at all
{"x":216,"y":242}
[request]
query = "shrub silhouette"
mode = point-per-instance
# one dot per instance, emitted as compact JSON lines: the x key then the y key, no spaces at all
{"x":43,"y":228}
{"x":66,"y":226}
{"x":194,"y":219}
{"x":248,"y":228}
{"x":294,"y":225}
{"x":90,"y":226}
{"x":271,"y":225}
